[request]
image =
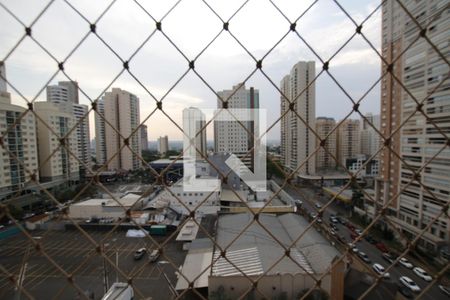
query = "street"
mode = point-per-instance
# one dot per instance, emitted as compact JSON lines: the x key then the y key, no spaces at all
{"x":309,"y":198}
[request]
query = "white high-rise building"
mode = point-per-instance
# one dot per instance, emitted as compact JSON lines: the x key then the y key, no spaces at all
{"x":298,"y":141}
{"x":421,"y":71}
{"x":56,"y":163}
{"x":19,"y":154}
{"x":121,"y":110}
{"x":65,"y":95}
{"x":231,"y":136}
{"x":163,"y":145}
{"x":370,"y":139}
{"x":193,"y":122}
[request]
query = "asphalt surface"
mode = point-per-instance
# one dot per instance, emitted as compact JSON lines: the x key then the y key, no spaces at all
{"x":72,"y":252}
{"x":309,"y":198}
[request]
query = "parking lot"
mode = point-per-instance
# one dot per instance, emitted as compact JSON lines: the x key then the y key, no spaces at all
{"x":76,"y":255}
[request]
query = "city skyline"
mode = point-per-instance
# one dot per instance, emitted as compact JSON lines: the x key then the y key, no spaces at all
{"x":225,"y":55}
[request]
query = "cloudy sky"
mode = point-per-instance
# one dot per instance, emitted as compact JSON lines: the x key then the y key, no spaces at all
{"x":191,"y":25}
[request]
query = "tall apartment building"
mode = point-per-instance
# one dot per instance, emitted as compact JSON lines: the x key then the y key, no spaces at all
{"x":2,"y":77}
{"x":232,"y":136}
{"x":193,"y":123}
{"x":56,"y":163}
{"x":121,"y":110}
{"x":298,"y":142}
{"x":100,"y":138}
{"x":370,"y":138}
{"x":421,"y":70}
{"x":65,"y":95}
{"x":348,"y":140}
{"x":144,"y":137}
{"x":326,"y":160}
{"x":19,"y":153}
{"x":163,"y":145}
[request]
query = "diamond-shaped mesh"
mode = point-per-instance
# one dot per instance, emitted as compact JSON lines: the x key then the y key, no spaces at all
{"x":147,"y":49}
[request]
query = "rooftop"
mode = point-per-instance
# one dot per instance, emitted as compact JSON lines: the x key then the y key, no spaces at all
{"x":256,"y":251}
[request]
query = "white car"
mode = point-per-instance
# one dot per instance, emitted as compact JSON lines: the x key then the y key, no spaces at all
{"x":352,"y":246}
{"x":379,"y":269}
{"x":318,"y":205}
{"x":404,"y":262}
{"x":406,"y":281}
{"x":422,"y":274}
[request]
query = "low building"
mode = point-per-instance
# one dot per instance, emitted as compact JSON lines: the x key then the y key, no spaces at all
{"x":362,"y":166}
{"x":255,"y":252}
{"x":105,"y":208}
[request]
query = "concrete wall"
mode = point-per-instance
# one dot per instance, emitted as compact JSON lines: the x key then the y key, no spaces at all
{"x":269,"y":287}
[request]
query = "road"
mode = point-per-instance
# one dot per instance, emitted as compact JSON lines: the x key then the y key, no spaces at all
{"x":309,"y":198}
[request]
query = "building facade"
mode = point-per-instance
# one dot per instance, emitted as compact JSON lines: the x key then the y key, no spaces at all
{"x":348,"y":143}
{"x":19,"y":153}
{"x":369,"y":137}
{"x":326,"y":160}
{"x":100,"y":138}
{"x":233,"y":136}
{"x":2,"y":77}
{"x":120,"y":143}
{"x":298,"y":112}
{"x":56,"y":163}
{"x":65,"y":95}
{"x":144,"y":137}
{"x":193,"y":127}
{"x":163,"y":145}
{"x":421,"y":70}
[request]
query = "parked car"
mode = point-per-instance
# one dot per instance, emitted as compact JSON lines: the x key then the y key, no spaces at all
{"x":138,"y":254}
{"x":405,"y":291}
{"x":370,"y":239}
{"x":387,"y":257}
{"x":364,"y":257}
{"x":333,"y":220}
{"x":358,"y":231}
{"x":409,"y":283}
{"x":335,"y":228}
{"x":422,"y":274}
{"x":154,"y":255}
{"x":404,"y":262}
{"x":445,"y":289}
{"x":381,"y":247}
{"x":379,"y":269}
{"x":354,"y":236}
{"x":350,"y":226}
{"x":318,"y":205}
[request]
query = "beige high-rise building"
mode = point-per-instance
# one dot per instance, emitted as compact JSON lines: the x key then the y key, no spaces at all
{"x":193,"y":122}
{"x":163,"y":145}
{"x":348,"y":141}
{"x":62,"y":164}
{"x":144,"y":137}
{"x":298,"y":142}
{"x":19,"y":154}
{"x":232,"y":137}
{"x":121,"y":110}
{"x":65,"y":95}
{"x":100,"y":138}
{"x":420,"y":69}
{"x":326,"y":160}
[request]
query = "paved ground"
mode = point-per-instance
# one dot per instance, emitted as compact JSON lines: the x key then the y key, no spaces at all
{"x":310,"y":198}
{"x":75,"y":254}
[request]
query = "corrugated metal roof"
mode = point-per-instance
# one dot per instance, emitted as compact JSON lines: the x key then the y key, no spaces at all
{"x":312,"y":254}
{"x":246,"y":260}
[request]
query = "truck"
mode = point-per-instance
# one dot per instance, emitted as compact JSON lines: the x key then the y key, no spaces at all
{"x":158,"y":230}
